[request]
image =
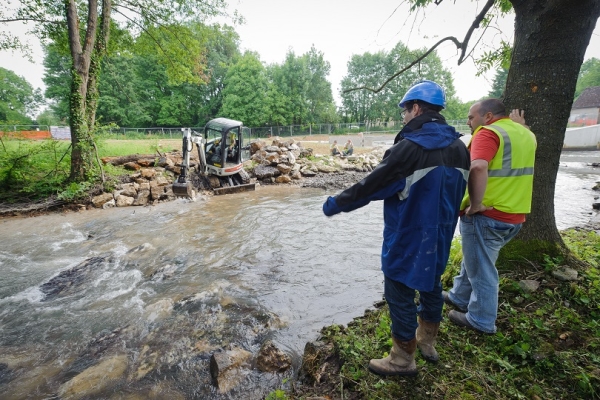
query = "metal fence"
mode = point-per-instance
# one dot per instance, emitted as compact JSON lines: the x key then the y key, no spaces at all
{"x":21,"y":128}
{"x":251,"y":133}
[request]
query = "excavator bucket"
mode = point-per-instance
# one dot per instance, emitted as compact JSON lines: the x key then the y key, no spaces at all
{"x":234,"y":189}
{"x":183,"y":189}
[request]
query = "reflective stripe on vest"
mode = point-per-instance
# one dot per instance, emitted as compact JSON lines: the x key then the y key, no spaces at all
{"x":506,"y":169}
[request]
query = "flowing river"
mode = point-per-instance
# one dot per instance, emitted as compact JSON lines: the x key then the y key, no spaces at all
{"x":152,"y":292}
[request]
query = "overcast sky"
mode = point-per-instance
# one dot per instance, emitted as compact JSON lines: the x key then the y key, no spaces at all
{"x":341,"y":28}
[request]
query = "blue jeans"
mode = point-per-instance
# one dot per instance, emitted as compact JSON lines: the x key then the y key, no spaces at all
{"x":476,"y":286}
{"x":403,"y":310}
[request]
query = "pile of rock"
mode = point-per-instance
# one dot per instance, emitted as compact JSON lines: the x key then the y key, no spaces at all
{"x":284,"y":161}
{"x":281,"y":162}
{"x":151,"y":181}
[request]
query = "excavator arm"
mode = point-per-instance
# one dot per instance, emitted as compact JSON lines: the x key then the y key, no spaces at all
{"x":182,"y":187}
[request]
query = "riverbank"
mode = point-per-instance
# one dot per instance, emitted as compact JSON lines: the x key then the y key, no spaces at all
{"x":147,"y":178}
{"x":545,"y":347}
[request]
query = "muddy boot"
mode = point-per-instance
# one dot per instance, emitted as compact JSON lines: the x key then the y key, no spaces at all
{"x":426,"y":335}
{"x":401,"y":360}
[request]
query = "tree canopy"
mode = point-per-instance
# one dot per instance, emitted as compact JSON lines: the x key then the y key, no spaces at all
{"x":18,"y":99}
{"x":499,"y":83}
{"x":589,"y":75}
{"x":373,"y":69}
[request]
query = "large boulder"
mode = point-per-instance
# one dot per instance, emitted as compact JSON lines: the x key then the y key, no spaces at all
{"x":284,"y":168}
{"x":95,"y":379}
{"x":146,"y":162}
{"x":228,"y":368}
{"x":265,"y":172}
{"x":273,"y":149}
{"x":326,"y":168}
{"x":148,"y":173}
{"x":132,"y":166}
{"x":256,"y":146}
{"x":100,"y":200}
{"x":142,"y":197}
{"x":283,"y":179}
{"x":124,"y":201}
{"x":71,"y":281}
{"x":128,"y":189}
{"x":309,"y":171}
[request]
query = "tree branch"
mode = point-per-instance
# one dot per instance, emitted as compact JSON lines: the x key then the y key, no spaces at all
{"x":73,"y":31}
{"x":43,"y":21}
{"x":474,"y":26}
{"x":90,"y":32}
{"x":412,"y":64}
{"x":462,"y":46}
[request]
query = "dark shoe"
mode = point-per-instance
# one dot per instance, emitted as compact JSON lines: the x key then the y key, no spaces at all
{"x":447,"y":300}
{"x":460,"y":319}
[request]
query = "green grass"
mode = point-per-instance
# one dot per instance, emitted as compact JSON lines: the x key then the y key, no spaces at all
{"x":31,"y":170}
{"x":547,"y":345}
{"x":123,"y":147}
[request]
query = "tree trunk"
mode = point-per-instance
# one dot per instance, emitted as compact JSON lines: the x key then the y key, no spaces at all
{"x":84,"y":87}
{"x":551,"y":38}
{"x":96,"y":62}
{"x":79,"y":130}
{"x":81,"y":57}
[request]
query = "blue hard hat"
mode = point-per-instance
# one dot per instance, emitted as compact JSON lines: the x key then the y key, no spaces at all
{"x":427,"y":91}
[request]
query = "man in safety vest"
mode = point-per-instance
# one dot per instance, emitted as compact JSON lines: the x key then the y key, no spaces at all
{"x":493,"y":209}
{"x":421,"y":180}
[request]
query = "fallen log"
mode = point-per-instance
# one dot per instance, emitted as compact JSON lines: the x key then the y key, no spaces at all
{"x":16,"y":209}
{"x":120,"y":160}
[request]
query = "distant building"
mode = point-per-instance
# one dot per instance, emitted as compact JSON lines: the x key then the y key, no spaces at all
{"x":586,"y":108}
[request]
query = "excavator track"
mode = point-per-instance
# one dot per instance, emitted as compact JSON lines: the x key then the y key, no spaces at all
{"x":235,"y":184}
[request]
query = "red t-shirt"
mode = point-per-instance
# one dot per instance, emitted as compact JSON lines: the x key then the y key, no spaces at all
{"x":484,"y":146}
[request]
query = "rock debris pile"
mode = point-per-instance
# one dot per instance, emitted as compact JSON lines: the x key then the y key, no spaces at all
{"x":280,"y":162}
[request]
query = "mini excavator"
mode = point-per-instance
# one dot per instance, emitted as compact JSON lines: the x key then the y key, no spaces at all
{"x":221,"y":155}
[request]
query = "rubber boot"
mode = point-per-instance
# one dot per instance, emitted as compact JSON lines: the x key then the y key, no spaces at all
{"x":400,"y":362}
{"x":426,"y":335}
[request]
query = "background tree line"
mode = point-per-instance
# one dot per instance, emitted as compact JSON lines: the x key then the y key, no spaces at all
{"x":136,"y":89}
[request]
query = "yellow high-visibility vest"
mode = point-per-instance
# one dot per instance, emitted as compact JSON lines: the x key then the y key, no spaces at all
{"x":510,"y":172}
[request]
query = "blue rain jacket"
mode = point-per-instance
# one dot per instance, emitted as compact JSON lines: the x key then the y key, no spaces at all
{"x":421,"y":179}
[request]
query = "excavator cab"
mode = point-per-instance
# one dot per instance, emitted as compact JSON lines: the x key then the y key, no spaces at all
{"x":221,"y":153}
{"x":223,"y":144}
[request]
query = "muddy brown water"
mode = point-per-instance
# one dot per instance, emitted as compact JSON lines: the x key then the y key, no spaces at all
{"x":152,"y":292}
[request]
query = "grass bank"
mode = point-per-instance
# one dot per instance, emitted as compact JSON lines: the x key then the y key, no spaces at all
{"x":547,"y":345}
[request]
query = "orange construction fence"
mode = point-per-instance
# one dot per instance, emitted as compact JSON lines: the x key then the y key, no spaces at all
{"x":33,"y":135}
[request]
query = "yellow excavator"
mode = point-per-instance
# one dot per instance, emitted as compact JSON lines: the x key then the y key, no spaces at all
{"x":221,"y":154}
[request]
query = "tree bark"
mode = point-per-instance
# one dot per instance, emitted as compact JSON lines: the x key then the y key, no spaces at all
{"x":96,"y":62}
{"x":84,"y":88}
{"x":81,"y":142}
{"x":551,"y":38}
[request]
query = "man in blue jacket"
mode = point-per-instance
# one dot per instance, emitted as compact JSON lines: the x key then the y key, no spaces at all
{"x":421,"y":179}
